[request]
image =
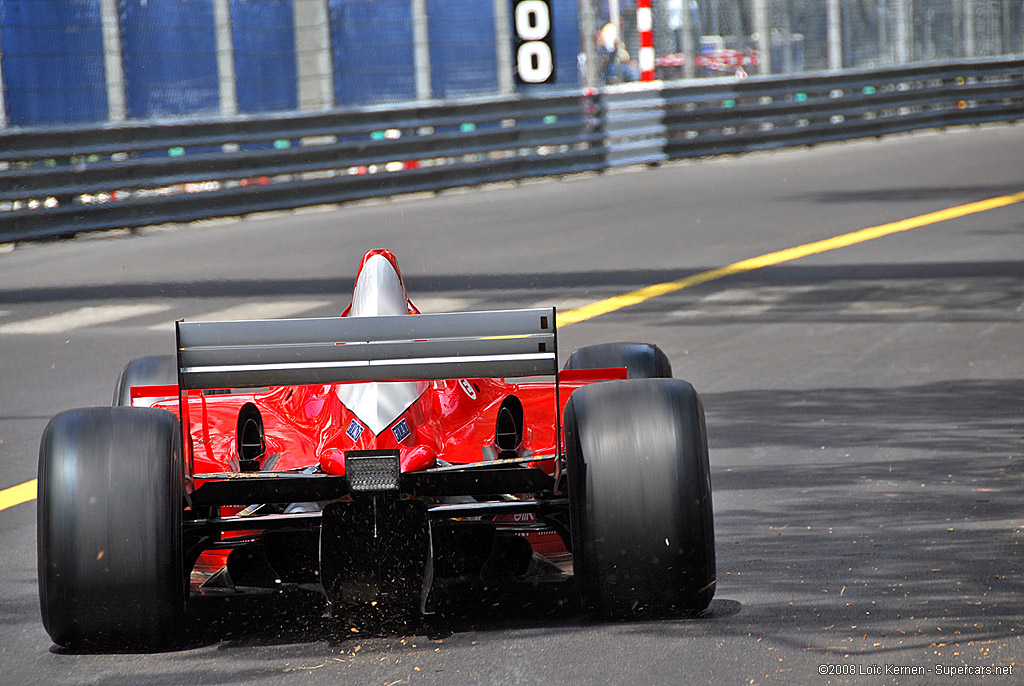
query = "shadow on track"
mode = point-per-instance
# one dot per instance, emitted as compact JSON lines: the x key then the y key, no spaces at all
{"x":425,"y":284}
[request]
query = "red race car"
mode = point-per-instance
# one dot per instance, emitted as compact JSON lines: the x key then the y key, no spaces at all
{"x":380,"y":456}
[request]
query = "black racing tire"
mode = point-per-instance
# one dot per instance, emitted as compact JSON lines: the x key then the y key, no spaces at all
{"x":155,"y":370}
{"x":640,"y":498}
{"x":641,"y":360}
{"x":109,"y":536}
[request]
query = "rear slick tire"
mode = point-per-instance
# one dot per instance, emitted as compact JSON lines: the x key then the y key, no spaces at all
{"x":640,"y":498}
{"x":109,"y":538}
{"x":155,"y":370}
{"x":641,"y":360}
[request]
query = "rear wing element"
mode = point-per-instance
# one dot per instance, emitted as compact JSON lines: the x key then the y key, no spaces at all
{"x":286,"y":352}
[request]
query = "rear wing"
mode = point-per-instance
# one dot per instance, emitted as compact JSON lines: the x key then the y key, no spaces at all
{"x":285,"y":352}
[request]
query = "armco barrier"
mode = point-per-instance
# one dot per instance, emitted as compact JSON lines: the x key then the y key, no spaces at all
{"x":633,"y":122}
{"x":61,"y":181}
{"x":56,"y":182}
{"x":739,"y":116}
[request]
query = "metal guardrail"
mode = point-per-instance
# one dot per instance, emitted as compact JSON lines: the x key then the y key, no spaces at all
{"x":733,"y":116}
{"x":633,"y":122}
{"x":761,"y":114}
{"x":57,"y":182}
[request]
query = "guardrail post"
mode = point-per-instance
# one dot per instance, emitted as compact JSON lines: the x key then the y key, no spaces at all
{"x":787,"y":37}
{"x":503,"y":47}
{"x":904,"y":37}
{"x":588,"y":30}
{"x":421,"y":49}
{"x":3,"y":105}
{"x":314,"y":64}
{"x":113,"y":61}
{"x":687,"y":46}
{"x":835,"y":36}
{"x":225,"y":43}
{"x":1005,"y":28}
{"x":764,"y":42}
{"x":969,"y":47}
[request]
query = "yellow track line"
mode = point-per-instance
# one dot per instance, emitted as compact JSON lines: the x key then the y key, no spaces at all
{"x":617,"y":302}
{"x":16,"y":495}
{"x":27,"y":491}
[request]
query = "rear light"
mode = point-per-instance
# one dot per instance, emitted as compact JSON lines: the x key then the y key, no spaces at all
{"x":372,"y":471}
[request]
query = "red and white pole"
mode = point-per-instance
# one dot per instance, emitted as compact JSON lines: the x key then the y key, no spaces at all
{"x":645,"y":24}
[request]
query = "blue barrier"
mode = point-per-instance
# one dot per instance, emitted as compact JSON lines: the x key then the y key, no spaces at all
{"x":170,"y":58}
{"x":54,"y":55}
{"x":463,"y":61}
{"x":52,"y":61}
{"x":264,"y":40}
{"x":373,"y":51}
{"x":567,"y":42}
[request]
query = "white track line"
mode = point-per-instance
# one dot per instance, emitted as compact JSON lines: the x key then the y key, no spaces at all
{"x":890,"y":309}
{"x":741,"y":302}
{"x":439,"y":303}
{"x":275,"y":309}
{"x":63,"y":322}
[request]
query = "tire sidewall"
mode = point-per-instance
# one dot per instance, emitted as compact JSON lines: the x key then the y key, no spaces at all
{"x":110,"y":561}
{"x":640,"y":498}
{"x":154,"y":370}
{"x":641,"y":360}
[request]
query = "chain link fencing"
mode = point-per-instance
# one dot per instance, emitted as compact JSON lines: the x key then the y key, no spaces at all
{"x":715,"y":38}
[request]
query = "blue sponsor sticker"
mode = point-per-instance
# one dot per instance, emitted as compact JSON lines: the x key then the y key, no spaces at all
{"x":401,"y":431}
{"x":354,"y":431}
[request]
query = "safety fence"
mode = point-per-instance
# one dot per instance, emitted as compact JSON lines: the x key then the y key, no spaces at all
{"x":57,"y":182}
{"x":68,"y":62}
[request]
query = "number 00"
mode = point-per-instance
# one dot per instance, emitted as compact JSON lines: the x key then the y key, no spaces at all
{"x":533,"y":20}
{"x":534,"y":60}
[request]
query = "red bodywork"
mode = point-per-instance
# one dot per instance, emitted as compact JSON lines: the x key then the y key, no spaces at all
{"x":451,"y":422}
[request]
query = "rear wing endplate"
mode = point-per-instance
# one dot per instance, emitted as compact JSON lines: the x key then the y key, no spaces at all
{"x":285,"y":352}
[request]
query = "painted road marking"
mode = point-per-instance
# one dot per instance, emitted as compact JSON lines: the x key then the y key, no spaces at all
{"x":16,"y":495}
{"x":275,"y":309}
{"x":636,"y":297}
{"x":866,"y":308}
{"x":12,"y":496}
{"x":440,"y":303}
{"x":741,"y":302}
{"x":63,"y":322}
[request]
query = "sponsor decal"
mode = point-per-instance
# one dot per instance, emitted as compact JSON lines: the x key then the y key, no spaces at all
{"x":468,"y":388}
{"x":354,"y":431}
{"x":401,"y":431}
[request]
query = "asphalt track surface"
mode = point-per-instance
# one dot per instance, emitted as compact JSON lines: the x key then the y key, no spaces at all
{"x":865,"y":409}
